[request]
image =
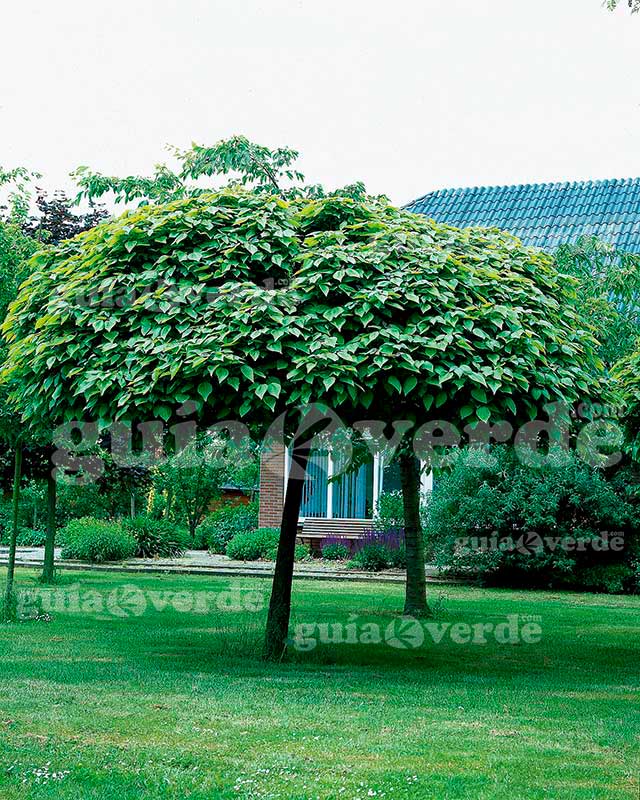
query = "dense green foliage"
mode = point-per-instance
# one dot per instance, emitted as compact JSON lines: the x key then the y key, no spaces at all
{"x":156,"y":537}
{"x":254,"y":545}
{"x":510,"y":523}
{"x":376,"y":556}
{"x":259,"y":544}
{"x":335,"y":552}
{"x":608,"y":293}
{"x":27,"y":537}
{"x":326,"y":283}
{"x":221,"y":525}
{"x":95,"y":541}
{"x":15,"y":249}
{"x":192,"y":478}
{"x":389,"y":513}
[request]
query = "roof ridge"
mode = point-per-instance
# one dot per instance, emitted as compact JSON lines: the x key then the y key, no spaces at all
{"x":546,"y":185}
{"x":544,"y":214}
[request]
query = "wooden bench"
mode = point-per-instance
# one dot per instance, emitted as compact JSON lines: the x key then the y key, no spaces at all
{"x":315,"y":529}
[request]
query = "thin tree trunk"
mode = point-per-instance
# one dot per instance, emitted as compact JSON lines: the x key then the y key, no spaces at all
{"x":415,"y":603}
{"x":7,"y":608}
{"x":280,"y":604}
{"x":132,"y":505}
{"x":48,"y":570}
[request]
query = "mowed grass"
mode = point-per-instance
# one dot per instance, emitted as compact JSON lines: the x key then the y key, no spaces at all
{"x":127,"y":694}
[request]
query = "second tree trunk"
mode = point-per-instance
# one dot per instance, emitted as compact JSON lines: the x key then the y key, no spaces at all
{"x":415,"y":603}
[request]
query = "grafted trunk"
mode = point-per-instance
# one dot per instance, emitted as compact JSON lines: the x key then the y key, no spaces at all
{"x":8,"y":604}
{"x":280,"y":603}
{"x":415,"y":603}
{"x":48,"y":570}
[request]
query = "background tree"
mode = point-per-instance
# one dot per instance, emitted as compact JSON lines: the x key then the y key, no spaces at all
{"x":608,"y":293}
{"x":193,"y":477}
{"x":21,"y":233}
{"x":634,"y":5}
{"x":56,"y":218}
{"x":15,"y":184}
{"x":248,"y":164}
{"x":15,"y":248}
{"x":232,"y":162}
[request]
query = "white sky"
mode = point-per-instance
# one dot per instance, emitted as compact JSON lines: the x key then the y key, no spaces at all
{"x":408,"y":96}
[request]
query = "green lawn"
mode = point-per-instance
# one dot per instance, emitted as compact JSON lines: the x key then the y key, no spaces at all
{"x":127,"y":695}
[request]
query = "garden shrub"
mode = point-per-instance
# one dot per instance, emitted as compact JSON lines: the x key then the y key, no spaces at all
{"x":609,"y":578}
{"x":397,"y":557}
{"x":221,"y":525}
{"x":29,"y":537}
{"x":389,"y":516}
{"x":254,"y":545}
{"x":334,"y":551}
{"x":389,"y":511}
{"x":156,"y":537}
{"x":95,"y":541}
{"x":512,"y":524}
{"x":372,"y":558}
{"x":380,"y":549}
{"x":260,"y":544}
{"x":76,"y":502}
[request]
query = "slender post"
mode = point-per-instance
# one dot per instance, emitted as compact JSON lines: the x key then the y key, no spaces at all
{"x":280,"y":603}
{"x":48,"y":570}
{"x":7,"y":608}
{"x":415,"y":604}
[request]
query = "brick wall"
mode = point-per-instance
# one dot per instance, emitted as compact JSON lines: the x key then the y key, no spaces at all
{"x":271,"y":486}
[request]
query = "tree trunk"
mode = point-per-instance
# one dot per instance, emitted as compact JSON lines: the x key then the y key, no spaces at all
{"x":7,"y":608}
{"x":415,"y":603}
{"x":48,"y":570}
{"x":280,"y":604}
{"x":132,"y":505}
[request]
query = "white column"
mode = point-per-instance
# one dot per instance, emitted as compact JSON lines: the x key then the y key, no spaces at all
{"x":329,"y":486}
{"x":426,"y":479}
{"x":377,"y":481}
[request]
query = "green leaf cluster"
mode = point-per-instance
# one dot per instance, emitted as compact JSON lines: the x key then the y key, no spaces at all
{"x":245,"y":304}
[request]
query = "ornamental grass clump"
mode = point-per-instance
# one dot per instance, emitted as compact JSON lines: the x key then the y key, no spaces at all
{"x":96,"y":541}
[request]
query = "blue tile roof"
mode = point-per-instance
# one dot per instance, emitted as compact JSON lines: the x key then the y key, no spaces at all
{"x":544,"y":214}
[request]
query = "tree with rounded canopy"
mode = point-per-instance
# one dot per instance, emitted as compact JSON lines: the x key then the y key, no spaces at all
{"x":247,"y":305}
{"x":418,"y":321}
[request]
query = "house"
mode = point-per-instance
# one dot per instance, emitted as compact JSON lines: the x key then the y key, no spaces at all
{"x":541,"y":215}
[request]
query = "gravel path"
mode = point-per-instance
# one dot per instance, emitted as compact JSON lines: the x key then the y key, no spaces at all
{"x":199,"y":562}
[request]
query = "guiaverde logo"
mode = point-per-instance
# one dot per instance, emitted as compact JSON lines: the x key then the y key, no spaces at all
{"x":404,"y":634}
{"x":126,"y":601}
{"x":530,"y":543}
